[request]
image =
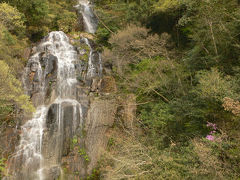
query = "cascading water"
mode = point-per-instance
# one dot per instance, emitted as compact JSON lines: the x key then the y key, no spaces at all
{"x":92,"y":68}
{"x":44,"y":138}
{"x":89,"y":18}
{"x":29,"y":153}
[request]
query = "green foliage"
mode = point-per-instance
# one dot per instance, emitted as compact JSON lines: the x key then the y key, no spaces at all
{"x":2,"y":166}
{"x":198,"y":158}
{"x":74,"y":140}
{"x":201,"y":159}
{"x":115,"y":15}
{"x":42,"y":16}
{"x":111,"y":143}
{"x":165,"y":5}
{"x":62,"y":15}
{"x":212,"y":84}
{"x":12,"y":19}
{"x":11,"y":92}
{"x":213,"y":28}
{"x":157,"y":77}
{"x":82,"y":152}
{"x":179,"y":90}
{"x":36,"y":14}
{"x":157,"y":117}
{"x":95,"y":175}
{"x":66,"y":21}
{"x":11,"y":49}
{"x":12,"y":46}
{"x":182,"y":79}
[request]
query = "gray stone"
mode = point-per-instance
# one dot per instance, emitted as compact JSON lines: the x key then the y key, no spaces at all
{"x":34,"y":66}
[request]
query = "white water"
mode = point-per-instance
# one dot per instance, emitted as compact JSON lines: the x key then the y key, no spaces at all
{"x":28,"y":153}
{"x":29,"y":149}
{"x":28,"y":161}
{"x":89,"y":18}
{"x":92,"y":71}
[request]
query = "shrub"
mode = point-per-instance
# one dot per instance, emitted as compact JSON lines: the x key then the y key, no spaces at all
{"x":12,"y":19}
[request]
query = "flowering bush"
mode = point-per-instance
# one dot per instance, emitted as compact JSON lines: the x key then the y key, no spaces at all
{"x":213,"y":128}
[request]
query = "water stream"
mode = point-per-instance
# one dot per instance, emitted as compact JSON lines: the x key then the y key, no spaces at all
{"x":41,"y":142}
{"x":89,"y":18}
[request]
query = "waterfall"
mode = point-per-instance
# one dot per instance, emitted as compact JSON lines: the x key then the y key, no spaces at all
{"x":89,"y":18}
{"x":92,"y":68}
{"x":44,"y":138}
{"x":28,"y":156}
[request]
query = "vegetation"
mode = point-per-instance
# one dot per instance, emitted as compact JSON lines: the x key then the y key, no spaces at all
{"x":12,"y":45}
{"x":22,"y":22}
{"x":2,"y":166}
{"x":180,"y":58}
{"x":43,"y":16}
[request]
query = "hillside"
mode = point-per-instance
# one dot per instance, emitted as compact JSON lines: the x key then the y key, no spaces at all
{"x":148,"y":89}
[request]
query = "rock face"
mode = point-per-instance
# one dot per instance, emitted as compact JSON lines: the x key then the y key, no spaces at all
{"x":87,"y":146}
{"x":87,"y":18}
{"x":66,"y":134}
{"x":8,"y":139}
{"x":100,"y":118}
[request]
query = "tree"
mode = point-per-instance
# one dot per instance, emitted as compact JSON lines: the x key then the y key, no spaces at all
{"x":213,"y":27}
{"x":12,"y":19}
{"x":11,"y":92}
{"x":12,"y":50}
{"x":36,"y":14}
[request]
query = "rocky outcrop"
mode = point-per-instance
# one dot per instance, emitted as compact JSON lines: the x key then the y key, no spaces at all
{"x":75,"y":109}
{"x":8,"y":137}
{"x":88,"y":144}
{"x":38,"y":81}
{"x":100,"y":118}
{"x":129,"y":111}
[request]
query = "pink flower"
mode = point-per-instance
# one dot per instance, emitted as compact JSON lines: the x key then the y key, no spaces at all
{"x":212,"y":132}
{"x":212,"y":125}
{"x":210,"y":137}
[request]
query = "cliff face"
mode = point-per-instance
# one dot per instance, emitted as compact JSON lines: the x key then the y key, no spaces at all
{"x":74,"y":108}
{"x":66,"y":134}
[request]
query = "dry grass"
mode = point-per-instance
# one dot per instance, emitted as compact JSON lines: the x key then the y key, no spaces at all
{"x":126,"y":158}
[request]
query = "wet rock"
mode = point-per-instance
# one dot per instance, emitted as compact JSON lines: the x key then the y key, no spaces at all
{"x":72,"y":115}
{"x":34,"y":50}
{"x":34,"y":66}
{"x":37,"y":77}
{"x":68,"y":128}
{"x":84,"y":10}
{"x":49,"y":63}
{"x":52,"y":137}
{"x":81,"y":51}
{"x":37,"y":98}
{"x":95,"y":84}
{"x":52,"y":115}
{"x":52,"y":173}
